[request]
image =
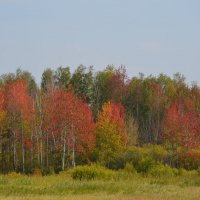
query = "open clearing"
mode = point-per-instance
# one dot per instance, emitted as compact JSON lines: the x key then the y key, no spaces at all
{"x":62,"y":187}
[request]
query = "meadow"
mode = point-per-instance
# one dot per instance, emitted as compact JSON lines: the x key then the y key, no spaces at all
{"x":124,"y":186}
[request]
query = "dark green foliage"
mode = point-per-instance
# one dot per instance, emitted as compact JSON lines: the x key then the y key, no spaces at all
{"x":145,"y":165}
{"x":48,"y":81}
{"x":92,"y":172}
{"x":49,"y":171}
{"x":82,"y":83}
{"x":140,"y":157}
{"x":62,"y":77}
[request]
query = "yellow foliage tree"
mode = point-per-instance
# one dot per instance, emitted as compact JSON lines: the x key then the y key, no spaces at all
{"x":111,"y":135}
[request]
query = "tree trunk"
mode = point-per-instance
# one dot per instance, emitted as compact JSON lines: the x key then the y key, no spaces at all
{"x":32,"y":150}
{"x":64,"y":151}
{"x":23,"y":152}
{"x":47,"y":151}
{"x":73,"y":148}
{"x":38,"y":149}
{"x":14,"y":151}
{"x":41,"y":154}
{"x":39,"y":105}
{"x":73,"y":153}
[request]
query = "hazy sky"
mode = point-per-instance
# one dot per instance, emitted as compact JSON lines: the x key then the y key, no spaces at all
{"x":149,"y":36}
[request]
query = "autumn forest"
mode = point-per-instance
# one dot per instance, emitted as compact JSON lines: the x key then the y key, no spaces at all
{"x":103,"y":117}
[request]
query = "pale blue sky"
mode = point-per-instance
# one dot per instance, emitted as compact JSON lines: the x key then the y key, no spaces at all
{"x":149,"y":36}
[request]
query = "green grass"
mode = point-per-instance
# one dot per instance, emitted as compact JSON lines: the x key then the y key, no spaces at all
{"x":132,"y":187}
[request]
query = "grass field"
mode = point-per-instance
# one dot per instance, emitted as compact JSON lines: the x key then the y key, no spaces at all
{"x":61,"y":187}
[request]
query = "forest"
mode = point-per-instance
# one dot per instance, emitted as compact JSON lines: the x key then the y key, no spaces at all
{"x":105,"y":118}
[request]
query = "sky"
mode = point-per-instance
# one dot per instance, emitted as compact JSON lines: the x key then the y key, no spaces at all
{"x":148,"y":36}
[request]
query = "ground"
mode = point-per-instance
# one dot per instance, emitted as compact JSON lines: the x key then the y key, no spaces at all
{"x":62,"y":187}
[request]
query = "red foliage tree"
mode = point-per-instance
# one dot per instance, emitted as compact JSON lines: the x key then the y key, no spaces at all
{"x":2,"y":108}
{"x":68,"y":122}
{"x":19,"y":106}
{"x":182,"y":125}
{"x":18,"y":102}
{"x":118,"y":84}
{"x":2,"y":98}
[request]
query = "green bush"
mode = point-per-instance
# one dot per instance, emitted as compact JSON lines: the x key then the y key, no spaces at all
{"x":129,"y":169}
{"x":134,"y":155}
{"x":198,"y":171}
{"x":118,"y":161}
{"x":161,"y":170}
{"x":181,"y":172}
{"x":91,"y":172}
{"x":48,"y":171}
{"x":137,"y":155}
{"x":156,"y":152}
{"x":129,"y":172}
{"x":176,"y":171}
{"x":145,"y":165}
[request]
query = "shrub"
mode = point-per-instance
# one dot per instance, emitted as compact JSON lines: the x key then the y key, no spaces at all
{"x":156,"y":152}
{"x":91,"y":172}
{"x":48,"y":171}
{"x":161,"y":170}
{"x":137,"y":155}
{"x":118,"y":161}
{"x":176,"y":171}
{"x":129,"y":169}
{"x":129,"y":172}
{"x":198,"y":171}
{"x":145,"y":165}
{"x":183,"y":172}
{"x":134,"y":155}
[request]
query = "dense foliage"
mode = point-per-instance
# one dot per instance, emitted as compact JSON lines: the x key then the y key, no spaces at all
{"x":104,"y":117}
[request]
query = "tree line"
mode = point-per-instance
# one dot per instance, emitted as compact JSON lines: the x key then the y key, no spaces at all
{"x":86,"y":116}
